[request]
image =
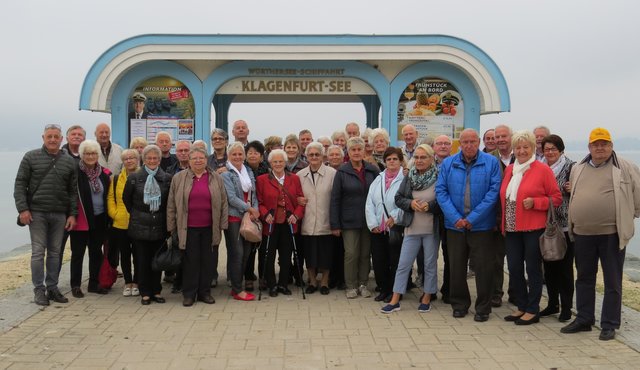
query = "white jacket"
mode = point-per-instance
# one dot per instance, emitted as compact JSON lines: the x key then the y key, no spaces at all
{"x":374,"y":210}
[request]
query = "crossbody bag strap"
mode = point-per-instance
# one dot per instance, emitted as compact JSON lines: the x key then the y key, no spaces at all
{"x":382,"y":196}
{"x":551,"y":214}
{"x":46,"y":172}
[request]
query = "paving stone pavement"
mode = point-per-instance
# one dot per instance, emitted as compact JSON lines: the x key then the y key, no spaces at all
{"x":116,"y":332}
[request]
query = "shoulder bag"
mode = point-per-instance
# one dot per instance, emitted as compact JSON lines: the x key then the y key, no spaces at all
{"x":250,"y":230}
{"x":167,"y":258}
{"x":553,"y":245}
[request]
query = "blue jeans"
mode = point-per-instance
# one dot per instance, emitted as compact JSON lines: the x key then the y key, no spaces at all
{"x":238,"y":251}
{"x":523,"y":251}
{"x":46,"y":232}
{"x":411,"y":245}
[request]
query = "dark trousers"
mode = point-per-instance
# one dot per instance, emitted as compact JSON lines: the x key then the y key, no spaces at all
{"x":523,"y":252}
{"x":65,"y":237}
{"x":93,"y":240}
{"x":446,"y":273}
{"x":237,"y":254}
{"x":281,"y":242}
{"x":385,"y":254}
{"x":250,"y":267}
{"x":197,"y":263}
{"x":558,"y":276}
{"x":120,"y":241}
{"x":479,"y":246}
{"x":148,"y":280}
{"x":297,"y":265}
{"x":498,"y":277}
{"x":588,"y":249}
{"x":336,"y":277}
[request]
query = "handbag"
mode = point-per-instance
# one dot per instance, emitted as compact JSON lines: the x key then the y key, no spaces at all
{"x":250,"y":230}
{"x":553,"y":245}
{"x":167,"y":258}
{"x":108,"y":274}
{"x":35,"y":188}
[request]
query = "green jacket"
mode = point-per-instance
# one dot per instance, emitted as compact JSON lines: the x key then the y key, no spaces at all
{"x":57,"y":191}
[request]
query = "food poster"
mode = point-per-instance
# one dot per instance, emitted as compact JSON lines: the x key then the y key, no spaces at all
{"x":434,"y":107}
{"x":161,"y":104}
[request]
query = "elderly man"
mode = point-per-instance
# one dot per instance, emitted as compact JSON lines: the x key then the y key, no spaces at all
{"x":164,"y":142}
{"x":489,"y":141}
{"x":75,"y":135}
{"x":305,"y":137}
{"x":182,"y":154}
{"x":110,"y":153}
{"x":240,"y":131}
{"x":139,"y":101}
{"x":503,"y":141}
{"x":467,"y":191}
{"x":410,"y":136}
{"x":605,"y":199}
{"x":352,"y":129}
{"x":442,"y":148}
{"x":45,"y":194}
{"x":540,"y":133}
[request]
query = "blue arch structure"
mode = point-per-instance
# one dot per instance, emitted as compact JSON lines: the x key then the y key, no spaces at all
{"x":136,"y":59}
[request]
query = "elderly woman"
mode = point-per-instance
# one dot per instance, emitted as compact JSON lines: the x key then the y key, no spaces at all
{"x":326,"y":143}
{"x":348,"y":196}
{"x":294,"y":161}
{"x":91,"y":226}
{"x":217,"y":161}
{"x":138,"y":143}
{"x":280,"y":211}
{"x":526,"y":188}
{"x":317,"y":240}
{"x":558,"y":275}
{"x":339,"y":138}
{"x":379,"y":139}
{"x":145,"y":196}
{"x":240,"y":186}
{"x":416,"y":197}
{"x":368,"y":146}
{"x":197,"y":212}
{"x":118,"y":234}
{"x":335,"y":156}
{"x":271,"y":143}
{"x":382,"y":216}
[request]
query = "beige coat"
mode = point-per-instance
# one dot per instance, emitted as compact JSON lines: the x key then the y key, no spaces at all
{"x":178,"y":206}
{"x":626,"y":192}
{"x":316,"y":215}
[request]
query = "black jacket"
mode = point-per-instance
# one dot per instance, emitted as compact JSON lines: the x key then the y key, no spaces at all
{"x":403,"y":198}
{"x":144,"y":224}
{"x":84,"y":195}
{"x":348,"y":197}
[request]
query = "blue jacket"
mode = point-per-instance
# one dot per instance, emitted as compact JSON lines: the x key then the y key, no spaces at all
{"x":237,"y":205}
{"x":485,"y":181}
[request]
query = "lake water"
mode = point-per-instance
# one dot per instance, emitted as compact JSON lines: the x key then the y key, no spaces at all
{"x":14,"y":237}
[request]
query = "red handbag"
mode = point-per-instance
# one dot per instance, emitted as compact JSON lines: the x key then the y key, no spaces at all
{"x":108,"y":275}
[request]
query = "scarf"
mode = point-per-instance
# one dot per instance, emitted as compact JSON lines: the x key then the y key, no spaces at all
{"x":94,"y":176}
{"x":557,"y":167}
{"x":425,"y":180}
{"x":518,"y":172}
{"x":243,"y":174}
{"x":152,"y":195}
{"x":389,"y":177}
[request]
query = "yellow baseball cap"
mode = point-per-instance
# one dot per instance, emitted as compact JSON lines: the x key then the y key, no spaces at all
{"x":599,"y":133}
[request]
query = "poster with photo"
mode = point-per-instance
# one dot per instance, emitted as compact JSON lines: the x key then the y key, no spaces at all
{"x":433,"y":106}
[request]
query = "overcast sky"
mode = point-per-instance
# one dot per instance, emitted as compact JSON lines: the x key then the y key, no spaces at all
{"x":572,"y":65}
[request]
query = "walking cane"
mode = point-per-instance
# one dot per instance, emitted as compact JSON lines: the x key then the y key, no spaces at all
{"x":264,"y":267}
{"x":295,"y":256}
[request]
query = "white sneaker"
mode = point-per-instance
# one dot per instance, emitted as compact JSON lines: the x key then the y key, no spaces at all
{"x":352,"y":293}
{"x":135,"y":292}
{"x":364,"y":292}
{"x":126,"y":292}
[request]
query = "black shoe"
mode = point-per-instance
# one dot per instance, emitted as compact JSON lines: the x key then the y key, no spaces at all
{"x":97,"y":290}
{"x":381,"y":297}
{"x":607,"y":334}
{"x":40,"y":297}
{"x":533,"y":320}
{"x":512,"y":318}
{"x":434,"y":297}
{"x":158,"y":299}
{"x":311,"y":289}
{"x":550,"y":310}
{"x":273,"y":292}
{"x":145,"y":302}
{"x":284,"y":290}
{"x":496,"y":301}
{"x":207,"y":299}
{"x":565,"y":315}
{"x":77,"y":292}
{"x":481,"y":317}
{"x":56,"y":296}
{"x":575,"y":327}
{"x":460,"y":313}
{"x":188,"y":302}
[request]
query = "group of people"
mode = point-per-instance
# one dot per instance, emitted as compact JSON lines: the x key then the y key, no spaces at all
{"x":338,"y":206}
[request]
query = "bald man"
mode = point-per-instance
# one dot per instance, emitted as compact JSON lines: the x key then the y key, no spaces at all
{"x":410,"y":137}
{"x":110,"y":153}
{"x":240,"y":131}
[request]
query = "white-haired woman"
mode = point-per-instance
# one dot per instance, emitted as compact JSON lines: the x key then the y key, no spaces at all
{"x":379,"y":140}
{"x":278,"y":193}
{"x":240,"y":186}
{"x":145,"y":196}
{"x":119,"y":241}
{"x":348,"y":196}
{"x":91,"y":226}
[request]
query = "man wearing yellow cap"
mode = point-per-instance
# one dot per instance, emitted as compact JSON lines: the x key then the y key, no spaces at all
{"x":604,"y":201}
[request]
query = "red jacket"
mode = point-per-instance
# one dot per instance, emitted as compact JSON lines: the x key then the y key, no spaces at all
{"x":538,"y":183}
{"x":268,"y":190}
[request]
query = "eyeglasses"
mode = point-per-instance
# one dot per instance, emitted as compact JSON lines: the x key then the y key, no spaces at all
{"x":130,"y":159}
{"x":90,"y":154}
{"x":183,"y":150}
{"x":311,"y":155}
{"x":420,"y":158}
{"x":392,"y":159}
{"x":550,"y":150}
{"x":218,"y":139}
{"x":446,"y":143}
